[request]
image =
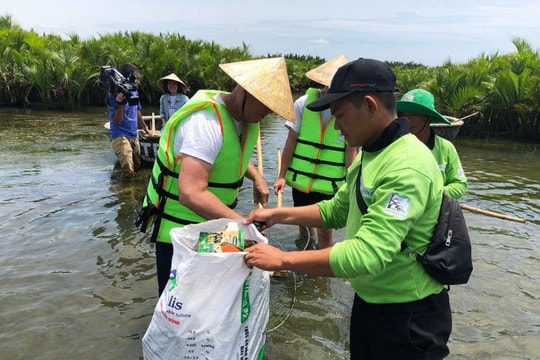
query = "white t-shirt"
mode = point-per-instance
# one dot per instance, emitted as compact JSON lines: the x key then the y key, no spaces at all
{"x":200,"y":136}
{"x":299,"y":106}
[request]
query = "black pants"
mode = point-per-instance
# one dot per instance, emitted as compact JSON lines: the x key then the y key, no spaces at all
{"x":164,"y":253}
{"x":407,"y":331}
{"x":301,"y":198}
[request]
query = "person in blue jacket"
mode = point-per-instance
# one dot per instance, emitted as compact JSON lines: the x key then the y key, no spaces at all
{"x":124,"y":121}
{"x":174,"y":97}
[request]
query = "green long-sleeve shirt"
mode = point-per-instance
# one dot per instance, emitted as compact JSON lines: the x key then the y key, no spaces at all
{"x":402,"y":187}
{"x":455,"y":181}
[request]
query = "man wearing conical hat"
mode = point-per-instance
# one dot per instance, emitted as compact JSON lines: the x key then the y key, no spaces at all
{"x":419,"y":106}
{"x":315,"y":155}
{"x":174,"y":97}
{"x":205,"y":150}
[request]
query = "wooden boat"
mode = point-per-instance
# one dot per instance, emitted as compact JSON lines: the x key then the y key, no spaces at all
{"x":448,"y":131}
{"x":149,"y":142}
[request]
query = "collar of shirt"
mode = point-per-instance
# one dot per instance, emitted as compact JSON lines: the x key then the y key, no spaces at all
{"x":394,"y":131}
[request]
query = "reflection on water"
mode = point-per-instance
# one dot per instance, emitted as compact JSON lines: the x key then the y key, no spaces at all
{"x":78,"y":281}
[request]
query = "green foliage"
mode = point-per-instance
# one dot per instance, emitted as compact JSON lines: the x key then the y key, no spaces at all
{"x":65,"y":74}
{"x":409,"y":78}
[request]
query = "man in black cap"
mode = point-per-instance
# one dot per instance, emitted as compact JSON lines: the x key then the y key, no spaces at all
{"x":391,"y":198}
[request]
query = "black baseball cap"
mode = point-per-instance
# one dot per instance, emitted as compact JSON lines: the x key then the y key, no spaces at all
{"x":365,"y":75}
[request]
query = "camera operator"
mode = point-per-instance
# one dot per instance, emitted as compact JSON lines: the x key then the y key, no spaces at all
{"x":124,"y":117}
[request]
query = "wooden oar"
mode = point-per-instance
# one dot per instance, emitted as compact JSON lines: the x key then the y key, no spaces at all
{"x":491,"y":213}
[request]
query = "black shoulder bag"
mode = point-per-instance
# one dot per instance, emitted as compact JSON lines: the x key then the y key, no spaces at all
{"x":448,"y":258}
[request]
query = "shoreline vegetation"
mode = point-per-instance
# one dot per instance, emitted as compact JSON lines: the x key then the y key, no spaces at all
{"x":63,"y":74}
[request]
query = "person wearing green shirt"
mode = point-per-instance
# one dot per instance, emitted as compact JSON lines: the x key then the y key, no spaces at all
{"x":399,"y":311}
{"x":419,"y":106}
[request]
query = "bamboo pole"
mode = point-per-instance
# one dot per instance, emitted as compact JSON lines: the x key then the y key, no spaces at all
{"x":259,"y":162}
{"x":470,"y":115}
{"x":259,"y":155}
{"x":153,"y":125}
{"x":279,"y":194}
{"x":491,"y":213}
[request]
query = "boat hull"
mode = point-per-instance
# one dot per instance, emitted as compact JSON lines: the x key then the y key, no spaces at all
{"x":149,"y":147}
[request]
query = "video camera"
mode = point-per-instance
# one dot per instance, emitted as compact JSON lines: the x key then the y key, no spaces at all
{"x":115,"y":82}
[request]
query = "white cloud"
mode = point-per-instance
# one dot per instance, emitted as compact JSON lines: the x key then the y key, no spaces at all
{"x":420,"y":31}
{"x":319,"y":41}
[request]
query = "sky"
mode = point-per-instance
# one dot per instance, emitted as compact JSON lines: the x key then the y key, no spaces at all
{"x":426,"y":32}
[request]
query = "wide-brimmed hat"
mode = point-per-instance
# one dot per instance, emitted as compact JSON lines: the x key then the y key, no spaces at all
{"x":161,"y":83}
{"x":362,"y":75}
{"x":267,"y":80}
{"x":419,"y":101}
{"x":323,"y":74}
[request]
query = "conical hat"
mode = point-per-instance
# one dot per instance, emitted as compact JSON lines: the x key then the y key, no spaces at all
{"x":267,"y":80}
{"x":173,"y":77}
{"x":324,"y":73}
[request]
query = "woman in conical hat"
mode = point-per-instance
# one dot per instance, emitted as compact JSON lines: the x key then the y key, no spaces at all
{"x":205,"y":152}
{"x":175,"y":95}
{"x":315,"y":155}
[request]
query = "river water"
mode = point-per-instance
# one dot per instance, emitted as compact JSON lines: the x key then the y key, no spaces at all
{"x":78,"y":281}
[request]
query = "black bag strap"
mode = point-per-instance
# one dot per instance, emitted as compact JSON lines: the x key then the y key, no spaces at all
{"x":359,"y":198}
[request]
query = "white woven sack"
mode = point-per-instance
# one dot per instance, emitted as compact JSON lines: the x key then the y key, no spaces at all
{"x":214,"y":306}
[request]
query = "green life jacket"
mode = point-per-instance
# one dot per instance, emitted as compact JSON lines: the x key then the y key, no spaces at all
{"x":318,"y":162}
{"x":227,"y":172}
